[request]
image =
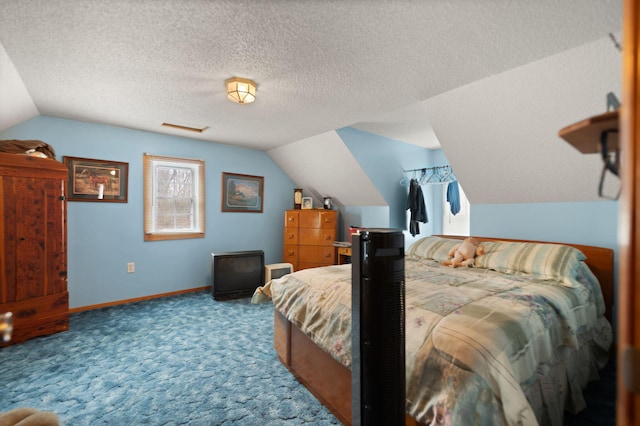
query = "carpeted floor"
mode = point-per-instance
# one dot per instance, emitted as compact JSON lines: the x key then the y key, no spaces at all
{"x":601,"y":401}
{"x":183,"y":360}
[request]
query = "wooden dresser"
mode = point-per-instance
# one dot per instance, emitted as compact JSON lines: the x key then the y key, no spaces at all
{"x":33,"y":268}
{"x":308,"y":238}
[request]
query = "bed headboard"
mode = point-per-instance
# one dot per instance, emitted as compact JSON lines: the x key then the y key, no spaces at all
{"x":599,"y":260}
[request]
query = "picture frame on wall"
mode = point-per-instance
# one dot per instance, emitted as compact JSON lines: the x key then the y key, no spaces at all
{"x":97,"y":180}
{"x":307,"y":203}
{"x":242,"y":193}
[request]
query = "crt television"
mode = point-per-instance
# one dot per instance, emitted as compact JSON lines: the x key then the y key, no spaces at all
{"x":276,"y":270}
{"x":236,"y":274}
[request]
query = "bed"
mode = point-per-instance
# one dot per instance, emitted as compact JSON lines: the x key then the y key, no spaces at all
{"x":513,"y":340}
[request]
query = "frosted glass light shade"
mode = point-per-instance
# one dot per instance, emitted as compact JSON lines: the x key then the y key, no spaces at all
{"x":241,"y":90}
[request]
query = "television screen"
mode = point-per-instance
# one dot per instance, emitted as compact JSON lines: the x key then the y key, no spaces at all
{"x":236,"y":274}
{"x":276,"y":270}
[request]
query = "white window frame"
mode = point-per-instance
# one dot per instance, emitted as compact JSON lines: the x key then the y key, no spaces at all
{"x":151,"y":165}
{"x":459,"y":224}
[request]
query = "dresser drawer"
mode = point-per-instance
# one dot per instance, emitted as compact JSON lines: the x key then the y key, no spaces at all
{"x":290,"y":253}
{"x":291,"y":219}
{"x":317,"y":254}
{"x":319,"y":236}
{"x":291,"y":236}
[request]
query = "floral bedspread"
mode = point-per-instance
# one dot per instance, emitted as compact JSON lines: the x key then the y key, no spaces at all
{"x":482,"y":347}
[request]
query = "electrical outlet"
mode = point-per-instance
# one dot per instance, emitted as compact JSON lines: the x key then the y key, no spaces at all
{"x":131,"y":267}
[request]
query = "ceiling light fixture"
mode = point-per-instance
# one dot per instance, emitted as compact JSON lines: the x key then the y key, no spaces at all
{"x":241,"y":90}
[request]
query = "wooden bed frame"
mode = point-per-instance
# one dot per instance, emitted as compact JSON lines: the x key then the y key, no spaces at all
{"x":330,"y":381}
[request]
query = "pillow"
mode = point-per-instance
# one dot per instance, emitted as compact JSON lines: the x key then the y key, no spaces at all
{"x":435,"y":248}
{"x":553,"y":261}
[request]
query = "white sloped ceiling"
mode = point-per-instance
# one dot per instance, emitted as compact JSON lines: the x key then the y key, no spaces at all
{"x":501,"y":133}
{"x":16,"y":104}
{"x":322,"y":165}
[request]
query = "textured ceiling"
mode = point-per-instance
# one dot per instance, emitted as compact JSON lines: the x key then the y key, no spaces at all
{"x":501,"y":133}
{"x":319,"y":66}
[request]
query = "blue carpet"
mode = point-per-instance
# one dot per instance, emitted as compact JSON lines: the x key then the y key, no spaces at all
{"x":183,"y":360}
{"x":601,"y":400}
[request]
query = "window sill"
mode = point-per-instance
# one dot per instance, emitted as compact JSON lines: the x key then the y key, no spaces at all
{"x":162,"y":236}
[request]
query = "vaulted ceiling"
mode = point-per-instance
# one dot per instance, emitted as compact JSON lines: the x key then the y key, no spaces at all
{"x":486,"y":80}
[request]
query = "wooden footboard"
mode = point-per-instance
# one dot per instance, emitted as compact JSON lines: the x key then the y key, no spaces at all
{"x":326,"y":378}
{"x":323,"y":376}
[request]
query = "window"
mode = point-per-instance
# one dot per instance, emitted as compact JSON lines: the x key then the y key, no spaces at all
{"x":458,"y":224}
{"x":173,"y":198}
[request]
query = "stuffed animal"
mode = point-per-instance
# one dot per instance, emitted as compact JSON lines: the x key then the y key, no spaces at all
{"x":464,"y":253}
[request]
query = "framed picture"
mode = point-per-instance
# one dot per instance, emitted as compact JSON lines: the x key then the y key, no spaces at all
{"x":242,"y":193}
{"x":307,"y":203}
{"x":97,"y":180}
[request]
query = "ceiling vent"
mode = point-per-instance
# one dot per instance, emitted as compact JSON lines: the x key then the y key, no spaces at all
{"x":187,"y":128}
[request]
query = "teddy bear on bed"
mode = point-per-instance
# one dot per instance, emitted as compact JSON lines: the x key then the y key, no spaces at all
{"x":464,"y":253}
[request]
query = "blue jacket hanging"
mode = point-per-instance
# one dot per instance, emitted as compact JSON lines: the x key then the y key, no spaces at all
{"x":453,"y":197}
{"x":415,"y":203}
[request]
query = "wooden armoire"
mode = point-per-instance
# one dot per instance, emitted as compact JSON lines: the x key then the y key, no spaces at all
{"x":33,"y":267}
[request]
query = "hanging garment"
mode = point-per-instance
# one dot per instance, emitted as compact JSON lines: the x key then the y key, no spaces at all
{"x":415,"y":204}
{"x":453,"y":197}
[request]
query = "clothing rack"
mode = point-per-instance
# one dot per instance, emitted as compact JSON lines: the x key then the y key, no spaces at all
{"x":431,"y":175}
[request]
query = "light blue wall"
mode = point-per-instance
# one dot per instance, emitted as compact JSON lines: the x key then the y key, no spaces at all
{"x":589,"y":223}
{"x":384,"y":160}
{"x":103,"y":237}
{"x":364,"y":217}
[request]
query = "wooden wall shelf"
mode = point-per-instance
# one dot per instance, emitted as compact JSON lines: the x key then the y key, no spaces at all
{"x":585,"y":135}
